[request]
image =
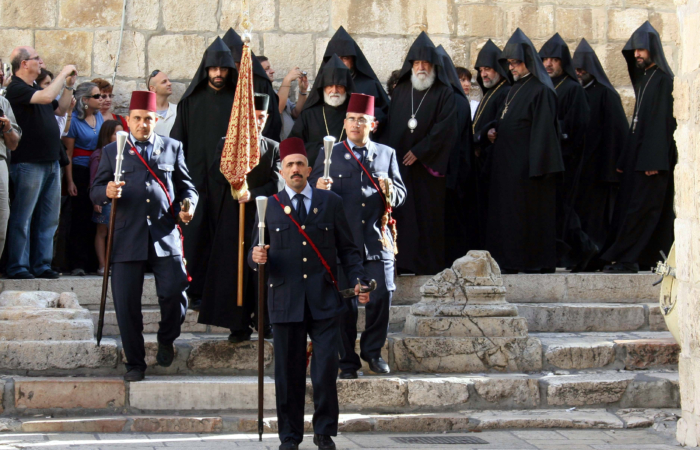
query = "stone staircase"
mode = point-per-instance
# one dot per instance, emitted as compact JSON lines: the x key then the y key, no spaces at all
{"x":597,"y":356}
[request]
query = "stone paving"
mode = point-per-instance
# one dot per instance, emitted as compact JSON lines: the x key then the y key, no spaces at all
{"x":646,"y":439}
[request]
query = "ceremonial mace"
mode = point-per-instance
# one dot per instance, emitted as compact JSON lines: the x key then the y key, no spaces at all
{"x":261,"y":203}
{"x":121,"y":143}
{"x":328,"y":143}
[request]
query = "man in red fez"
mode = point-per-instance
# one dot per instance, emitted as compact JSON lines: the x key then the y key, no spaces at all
{"x":360,"y":171}
{"x":308,"y":232}
{"x":154,"y":181}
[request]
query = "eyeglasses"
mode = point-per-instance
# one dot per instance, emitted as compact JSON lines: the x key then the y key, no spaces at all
{"x":106,"y":96}
{"x":36,"y":58}
{"x":96,"y":96}
{"x":361,"y":121}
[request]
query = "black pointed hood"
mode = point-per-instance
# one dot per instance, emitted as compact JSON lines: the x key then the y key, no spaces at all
{"x":342,"y":44}
{"x":451,"y":71}
{"x":555,"y":47}
{"x":334,"y":72}
{"x":217,"y":55}
{"x":423,"y":49}
{"x":520,"y":47}
{"x":235,"y":44}
{"x":586,"y":59}
{"x":488,"y":57}
{"x":648,"y":38}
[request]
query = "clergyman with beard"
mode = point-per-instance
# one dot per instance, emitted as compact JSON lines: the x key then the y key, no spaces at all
{"x":324,"y":110}
{"x":643,"y":218}
{"x":422,"y":127}
{"x":202,"y":118}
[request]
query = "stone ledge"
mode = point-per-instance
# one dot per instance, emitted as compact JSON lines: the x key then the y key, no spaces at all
{"x":644,"y":353}
{"x":578,"y":317}
{"x":81,"y":425}
{"x":69,"y":393}
{"x":57,"y":355}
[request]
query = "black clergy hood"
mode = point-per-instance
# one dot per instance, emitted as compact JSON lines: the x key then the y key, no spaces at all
{"x":645,"y":37}
{"x":342,"y":44}
{"x":555,"y":47}
{"x":217,"y":55}
{"x":235,"y":44}
{"x":423,"y":49}
{"x":586,"y":59}
{"x":334,"y":72}
{"x":488,"y":57}
{"x":520,"y":47}
{"x":451,"y":71}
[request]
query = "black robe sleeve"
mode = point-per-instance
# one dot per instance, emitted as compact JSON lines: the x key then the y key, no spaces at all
{"x":575,"y":119}
{"x":656,"y":144}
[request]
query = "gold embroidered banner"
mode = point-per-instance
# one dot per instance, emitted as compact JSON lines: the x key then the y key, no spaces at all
{"x":242,"y":147}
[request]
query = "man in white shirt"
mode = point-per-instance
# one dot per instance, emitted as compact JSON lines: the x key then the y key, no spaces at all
{"x":159,"y":83}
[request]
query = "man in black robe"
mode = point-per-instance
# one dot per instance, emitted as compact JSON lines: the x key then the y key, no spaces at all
{"x":202,"y":118}
{"x":495,"y":82}
{"x":366,"y":81}
{"x":261,"y":84}
{"x":521,"y":227}
{"x":576,"y":248}
{"x":643,"y":218}
{"x":423,"y":128}
{"x":605,"y":139}
{"x":324,"y":111}
{"x":219,"y":302}
{"x":460,"y":227}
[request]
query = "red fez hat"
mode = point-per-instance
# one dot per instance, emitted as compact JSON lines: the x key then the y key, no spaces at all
{"x":144,"y":100}
{"x":361,"y":104}
{"x":292,"y":146}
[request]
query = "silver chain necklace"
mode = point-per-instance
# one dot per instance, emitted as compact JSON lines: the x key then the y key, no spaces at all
{"x":639,"y":105}
{"x":412,"y":122}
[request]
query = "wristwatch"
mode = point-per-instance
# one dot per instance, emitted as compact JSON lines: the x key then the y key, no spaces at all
{"x":68,"y":88}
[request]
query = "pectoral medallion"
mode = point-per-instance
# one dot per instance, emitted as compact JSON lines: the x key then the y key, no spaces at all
{"x":505,"y":110}
{"x":287,"y":210}
{"x":412,"y":123}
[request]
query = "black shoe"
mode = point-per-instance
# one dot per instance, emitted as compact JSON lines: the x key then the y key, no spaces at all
{"x":267,"y":333}
{"x":585,"y":260}
{"x":378,"y":365}
{"x":21,"y":276}
{"x":348,"y":375}
{"x":238,"y":337}
{"x":324,"y":442}
{"x":289,"y":444}
{"x":166,"y":354}
{"x":195,"y":303}
{"x":49,"y":274}
{"x":134,"y":375}
{"x":622,"y":268}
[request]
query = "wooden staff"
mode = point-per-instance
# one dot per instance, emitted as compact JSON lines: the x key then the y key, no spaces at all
{"x":261,"y":203}
{"x":121,"y":143}
{"x":241,"y":252}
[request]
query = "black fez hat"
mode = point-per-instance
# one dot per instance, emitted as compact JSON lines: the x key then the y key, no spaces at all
{"x":261,"y":102}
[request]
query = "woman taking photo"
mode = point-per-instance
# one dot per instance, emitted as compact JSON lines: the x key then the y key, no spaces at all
{"x":80,"y":142}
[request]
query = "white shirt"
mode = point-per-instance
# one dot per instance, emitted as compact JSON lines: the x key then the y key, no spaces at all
{"x":165,"y":124}
{"x":474,"y":106}
{"x":307,"y":192}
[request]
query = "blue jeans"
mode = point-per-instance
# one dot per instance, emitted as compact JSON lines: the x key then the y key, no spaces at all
{"x":34,"y":216}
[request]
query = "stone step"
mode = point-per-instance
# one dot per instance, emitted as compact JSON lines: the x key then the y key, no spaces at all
{"x":473,"y":421}
{"x":523,"y":288}
{"x":391,"y":394}
{"x":212,"y":354}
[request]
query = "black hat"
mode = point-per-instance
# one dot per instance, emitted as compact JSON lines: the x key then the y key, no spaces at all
{"x":235,"y":44}
{"x":586,"y":59}
{"x":261,"y":101}
{"x":647,"y":38}
{"x":451,"y":71}
{"x":555,"y":47}
{"x":423,"y":49}
{"x":216,"y":55}
{"x":488,"y":57}
{"x":520,"y":47}
{"x":332,"y":73}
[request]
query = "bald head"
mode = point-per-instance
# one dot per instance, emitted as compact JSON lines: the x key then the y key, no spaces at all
{"x":25,"y":62}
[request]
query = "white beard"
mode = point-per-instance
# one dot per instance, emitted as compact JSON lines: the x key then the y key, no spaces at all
{"x":492,"y":83}
{"x":422,"y":82}
{"x":335,"y":100}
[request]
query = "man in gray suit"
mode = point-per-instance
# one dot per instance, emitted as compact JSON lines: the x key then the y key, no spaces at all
{"x":155,"y":181}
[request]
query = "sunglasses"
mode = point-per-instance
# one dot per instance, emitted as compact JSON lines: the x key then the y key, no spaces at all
{"x":106,"y":96}
{"x":153,"y":74}
{"x":96,"y":96}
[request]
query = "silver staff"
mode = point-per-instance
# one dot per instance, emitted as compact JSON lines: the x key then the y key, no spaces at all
{"x":122,"y":136}
{"x":328,"y":143}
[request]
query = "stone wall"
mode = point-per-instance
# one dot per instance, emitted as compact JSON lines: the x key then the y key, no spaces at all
{"x":171,"y":35}
{"x":687,"y":112}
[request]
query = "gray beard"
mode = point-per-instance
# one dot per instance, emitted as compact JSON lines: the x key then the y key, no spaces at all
{"x":422,"y":84}
{"x":335,"y":101}
{"x":492,"y":83}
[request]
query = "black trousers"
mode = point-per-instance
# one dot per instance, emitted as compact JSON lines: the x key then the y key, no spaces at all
{"x":81,"y":238}
{"x":290,"y":375}
{"x":376,"y":313}
{"x":127,"y":288}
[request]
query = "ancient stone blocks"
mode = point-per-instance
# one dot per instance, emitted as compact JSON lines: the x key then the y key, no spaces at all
{"x":52,"y":44}
{"x":132,"y":61}
{"x":183,"y":15}
{"x":88,"y":13}
{"x":68,"y":393}
{"x":190,"y":49}
{"x":479,"y":20}
{"x":33,"y":14}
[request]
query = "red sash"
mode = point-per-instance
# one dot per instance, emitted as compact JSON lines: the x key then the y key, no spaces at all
{"x":81,"y":152}
{"x":313,"y":246}
{"x":170,"y":205}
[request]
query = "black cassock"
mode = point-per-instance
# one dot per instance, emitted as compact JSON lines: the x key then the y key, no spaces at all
{"x":521,"y":225}
{"x":219,"y":302}
{"x":202,"y":118}
{"x":643,"y":218}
